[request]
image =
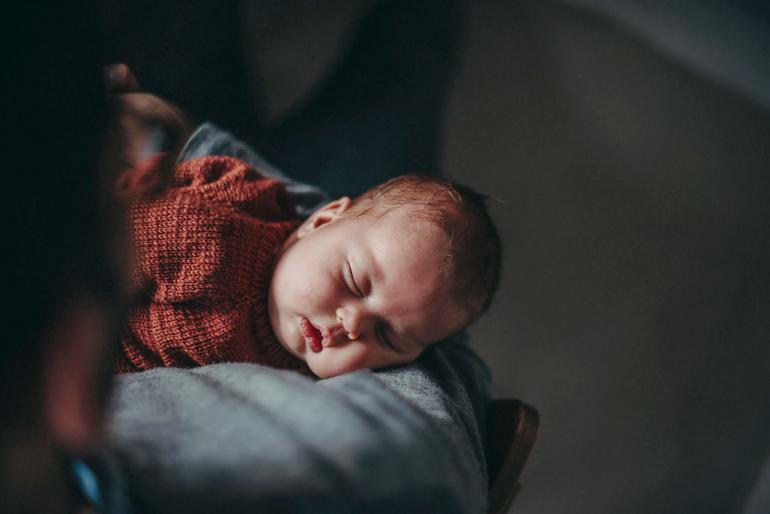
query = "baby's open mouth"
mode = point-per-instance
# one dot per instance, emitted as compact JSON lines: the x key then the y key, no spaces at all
{"x":311,"y":334}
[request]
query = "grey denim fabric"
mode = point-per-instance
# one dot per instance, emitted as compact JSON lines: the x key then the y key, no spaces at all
{"x":241,"y":438}
{"x":234,"y":438}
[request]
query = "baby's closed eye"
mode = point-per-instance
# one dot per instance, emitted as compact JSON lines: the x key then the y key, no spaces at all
{"x":350,"y":280}
{"x":383,"y":339}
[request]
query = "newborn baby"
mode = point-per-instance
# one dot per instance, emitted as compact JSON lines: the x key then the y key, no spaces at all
{"x":226,"y":272}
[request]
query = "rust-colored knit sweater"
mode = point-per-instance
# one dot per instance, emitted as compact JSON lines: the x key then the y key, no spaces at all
{"x":204,"y":256}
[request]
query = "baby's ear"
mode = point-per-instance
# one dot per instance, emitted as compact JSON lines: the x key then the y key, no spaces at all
{"x":325,"y":215}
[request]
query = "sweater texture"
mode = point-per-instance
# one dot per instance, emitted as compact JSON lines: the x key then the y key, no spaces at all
{"x":204,"y":251}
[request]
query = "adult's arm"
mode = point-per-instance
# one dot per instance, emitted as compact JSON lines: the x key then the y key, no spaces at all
{"x":235,"y":438}
{"x":244,"y":438}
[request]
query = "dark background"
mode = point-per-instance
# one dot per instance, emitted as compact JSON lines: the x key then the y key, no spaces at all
{"x":629,"y":145}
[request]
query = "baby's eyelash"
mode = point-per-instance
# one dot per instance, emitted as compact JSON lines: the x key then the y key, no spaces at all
{"x":354,"y":289}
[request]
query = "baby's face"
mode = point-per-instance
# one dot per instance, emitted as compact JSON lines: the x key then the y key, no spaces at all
{"x":350,"y":293}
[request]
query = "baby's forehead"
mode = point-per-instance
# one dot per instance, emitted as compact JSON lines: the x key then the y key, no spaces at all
{"x":413,"y":230}
{"x":415,"y":256}
{"x":433,"y":254}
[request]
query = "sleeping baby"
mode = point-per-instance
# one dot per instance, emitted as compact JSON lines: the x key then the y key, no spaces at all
{"x":228,"y":273}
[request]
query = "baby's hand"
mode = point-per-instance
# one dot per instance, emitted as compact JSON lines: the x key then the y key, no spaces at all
{"x":152,"y":131}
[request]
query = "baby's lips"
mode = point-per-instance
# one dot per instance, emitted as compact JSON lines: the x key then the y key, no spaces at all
{"x":312,"y":335}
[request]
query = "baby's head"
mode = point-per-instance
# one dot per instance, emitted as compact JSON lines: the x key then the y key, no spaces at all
{"x":373,"y":282}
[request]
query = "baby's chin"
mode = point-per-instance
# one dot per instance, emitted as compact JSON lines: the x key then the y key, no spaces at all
{"x":322,"y":369}
{"x":327,"y":366}
{"x":324,"y":373}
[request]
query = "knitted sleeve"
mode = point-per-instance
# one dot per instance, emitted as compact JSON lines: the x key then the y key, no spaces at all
{"x":203,"y":252}
{"x":235,"y":183}
{"x":186,"y":336}
{"x":210,"y":236}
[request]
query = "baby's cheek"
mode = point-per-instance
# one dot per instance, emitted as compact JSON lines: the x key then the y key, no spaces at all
{"x":358,"y":359}
{"x":306,"y":291}
{"x":293,"y":283}
{"x":316,"y":289}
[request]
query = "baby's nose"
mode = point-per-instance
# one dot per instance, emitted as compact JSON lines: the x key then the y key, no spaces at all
{"x":349,"y":320}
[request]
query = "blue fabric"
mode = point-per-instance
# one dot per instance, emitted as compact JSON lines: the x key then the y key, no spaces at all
{"x":100,"y":482}
{"x":87,"y":483}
